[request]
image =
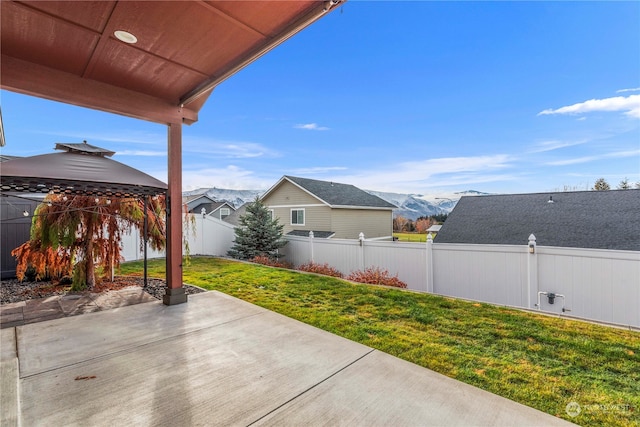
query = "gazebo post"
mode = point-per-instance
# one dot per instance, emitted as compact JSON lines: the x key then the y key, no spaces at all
{"x":174,"y":294}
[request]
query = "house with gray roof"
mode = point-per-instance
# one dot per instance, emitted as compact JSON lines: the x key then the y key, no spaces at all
{"x":211,"y":207}
{"x":581,"y":219}
{"x":329,"y":209}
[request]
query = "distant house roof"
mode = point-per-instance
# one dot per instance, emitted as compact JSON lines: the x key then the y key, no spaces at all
{"x":189,"y":199}
{"x":335,"y":194}
{"x":582,"y":219}
{"x":434,"y":228}
{"x":218,"y":205}
{"x":316,"y":234}
{"x":197,"y":202}
{"x":234,"y":218}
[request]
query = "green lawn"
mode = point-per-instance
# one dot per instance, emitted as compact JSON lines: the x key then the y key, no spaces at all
{"x":540,"y":361}
{"x":411,"y":237}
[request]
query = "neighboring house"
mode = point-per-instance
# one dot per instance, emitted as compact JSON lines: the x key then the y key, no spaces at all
{"x":582,"y":219}
{"x":221,"y":210}
{"x":196,"y":203}
{"x":329,"y":209}
{"x":234,"y":217}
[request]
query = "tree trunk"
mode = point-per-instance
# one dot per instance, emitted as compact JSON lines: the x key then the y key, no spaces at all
{"x":90,"y":265}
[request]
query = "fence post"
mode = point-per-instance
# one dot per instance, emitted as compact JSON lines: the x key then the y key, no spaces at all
{"x":532,"y":268}
{"x":429,"y":261}
{"x":311,"y":245}
{"x":361,"y":239}
{"x":201,"y":233}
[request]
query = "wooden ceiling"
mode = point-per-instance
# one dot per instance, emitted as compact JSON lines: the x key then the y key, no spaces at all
{"x":66,"y":50}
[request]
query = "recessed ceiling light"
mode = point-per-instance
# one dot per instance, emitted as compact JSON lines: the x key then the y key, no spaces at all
{"x":125,"y":36}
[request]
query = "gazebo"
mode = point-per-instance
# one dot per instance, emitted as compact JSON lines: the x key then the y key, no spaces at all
{"x":80,"y":169}
{"x":156,"y":61}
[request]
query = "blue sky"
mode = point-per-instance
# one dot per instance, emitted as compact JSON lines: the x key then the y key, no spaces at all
{"x":407,"y":97}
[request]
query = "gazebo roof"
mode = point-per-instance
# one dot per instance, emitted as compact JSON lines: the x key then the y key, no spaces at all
{"x":80,"y":169}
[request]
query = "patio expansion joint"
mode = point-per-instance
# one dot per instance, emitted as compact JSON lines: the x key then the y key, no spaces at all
{"x":313,"y":386}
{"x":131,"y":348}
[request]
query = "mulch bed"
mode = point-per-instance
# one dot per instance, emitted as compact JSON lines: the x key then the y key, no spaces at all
{"x":13,"y":290}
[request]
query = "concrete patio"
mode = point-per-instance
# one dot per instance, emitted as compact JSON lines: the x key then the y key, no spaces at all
{"x":218,"y":360}
{"x":56,"y":307}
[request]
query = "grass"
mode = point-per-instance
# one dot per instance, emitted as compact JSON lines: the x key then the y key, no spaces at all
{"x":540,"y":361}
{"x":411,"y":237}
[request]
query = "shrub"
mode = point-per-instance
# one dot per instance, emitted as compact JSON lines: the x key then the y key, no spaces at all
{"x":325,"y":269}
{"x":376,"y":276}
{"x":270,"y":262}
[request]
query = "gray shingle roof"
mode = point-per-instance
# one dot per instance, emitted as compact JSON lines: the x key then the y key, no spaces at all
{"x":316,"y":234}
{"x":582,"y":219}
{"x":336,"y":194}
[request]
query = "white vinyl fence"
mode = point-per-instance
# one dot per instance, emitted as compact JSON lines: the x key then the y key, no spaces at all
{"x":602,"y":285}
{"x":207,"y":236}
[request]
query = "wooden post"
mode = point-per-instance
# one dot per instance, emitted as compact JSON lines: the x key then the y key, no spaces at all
{"x":174,"y":294}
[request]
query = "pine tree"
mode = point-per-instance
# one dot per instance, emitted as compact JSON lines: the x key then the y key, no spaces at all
{"x":258,"y":234}
{"x":601,"y":184}
{"x":624,"y":184}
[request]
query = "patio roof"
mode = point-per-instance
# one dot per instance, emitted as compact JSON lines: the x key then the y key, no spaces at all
{"x":152,"y":60}
{"x":71,"y":52}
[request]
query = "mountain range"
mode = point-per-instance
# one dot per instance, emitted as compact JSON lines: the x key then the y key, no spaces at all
{"x":411,"y":206}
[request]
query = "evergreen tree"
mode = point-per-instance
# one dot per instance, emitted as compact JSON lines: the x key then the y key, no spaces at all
{"x":258,"y":234}
{"x":601,"y":184}
{"x":624,"y":184}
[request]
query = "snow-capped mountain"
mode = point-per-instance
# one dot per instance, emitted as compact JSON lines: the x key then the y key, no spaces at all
{"x":411,"y":206}
{"x":236,"y":197}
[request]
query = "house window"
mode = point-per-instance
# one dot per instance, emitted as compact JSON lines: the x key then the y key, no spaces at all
{"x":297,"y":216}
{"x":225,"y":212}
{"x":271,"y":214}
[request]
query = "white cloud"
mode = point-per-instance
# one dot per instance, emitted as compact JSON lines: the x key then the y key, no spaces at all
{"x":317,"y":170}
{"x":120,"y":136}
{"x":310,"y":126}
{"x":458,"y":164}
{"x":143,"y":153}
{"x":416,"y":176}
{"x":586,"y":159}
{"x":555,"y":145}
{"x":635,"y":89}
{"x":629,"y":104}
{"x":231,"y":177}
{"x":227,"y":149}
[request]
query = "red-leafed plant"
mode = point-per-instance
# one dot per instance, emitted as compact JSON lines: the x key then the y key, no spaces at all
{"x":83,"y":233}
{"x":376,"y":276}
{"x":325,"y":269}
{"x":264,"y":260}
